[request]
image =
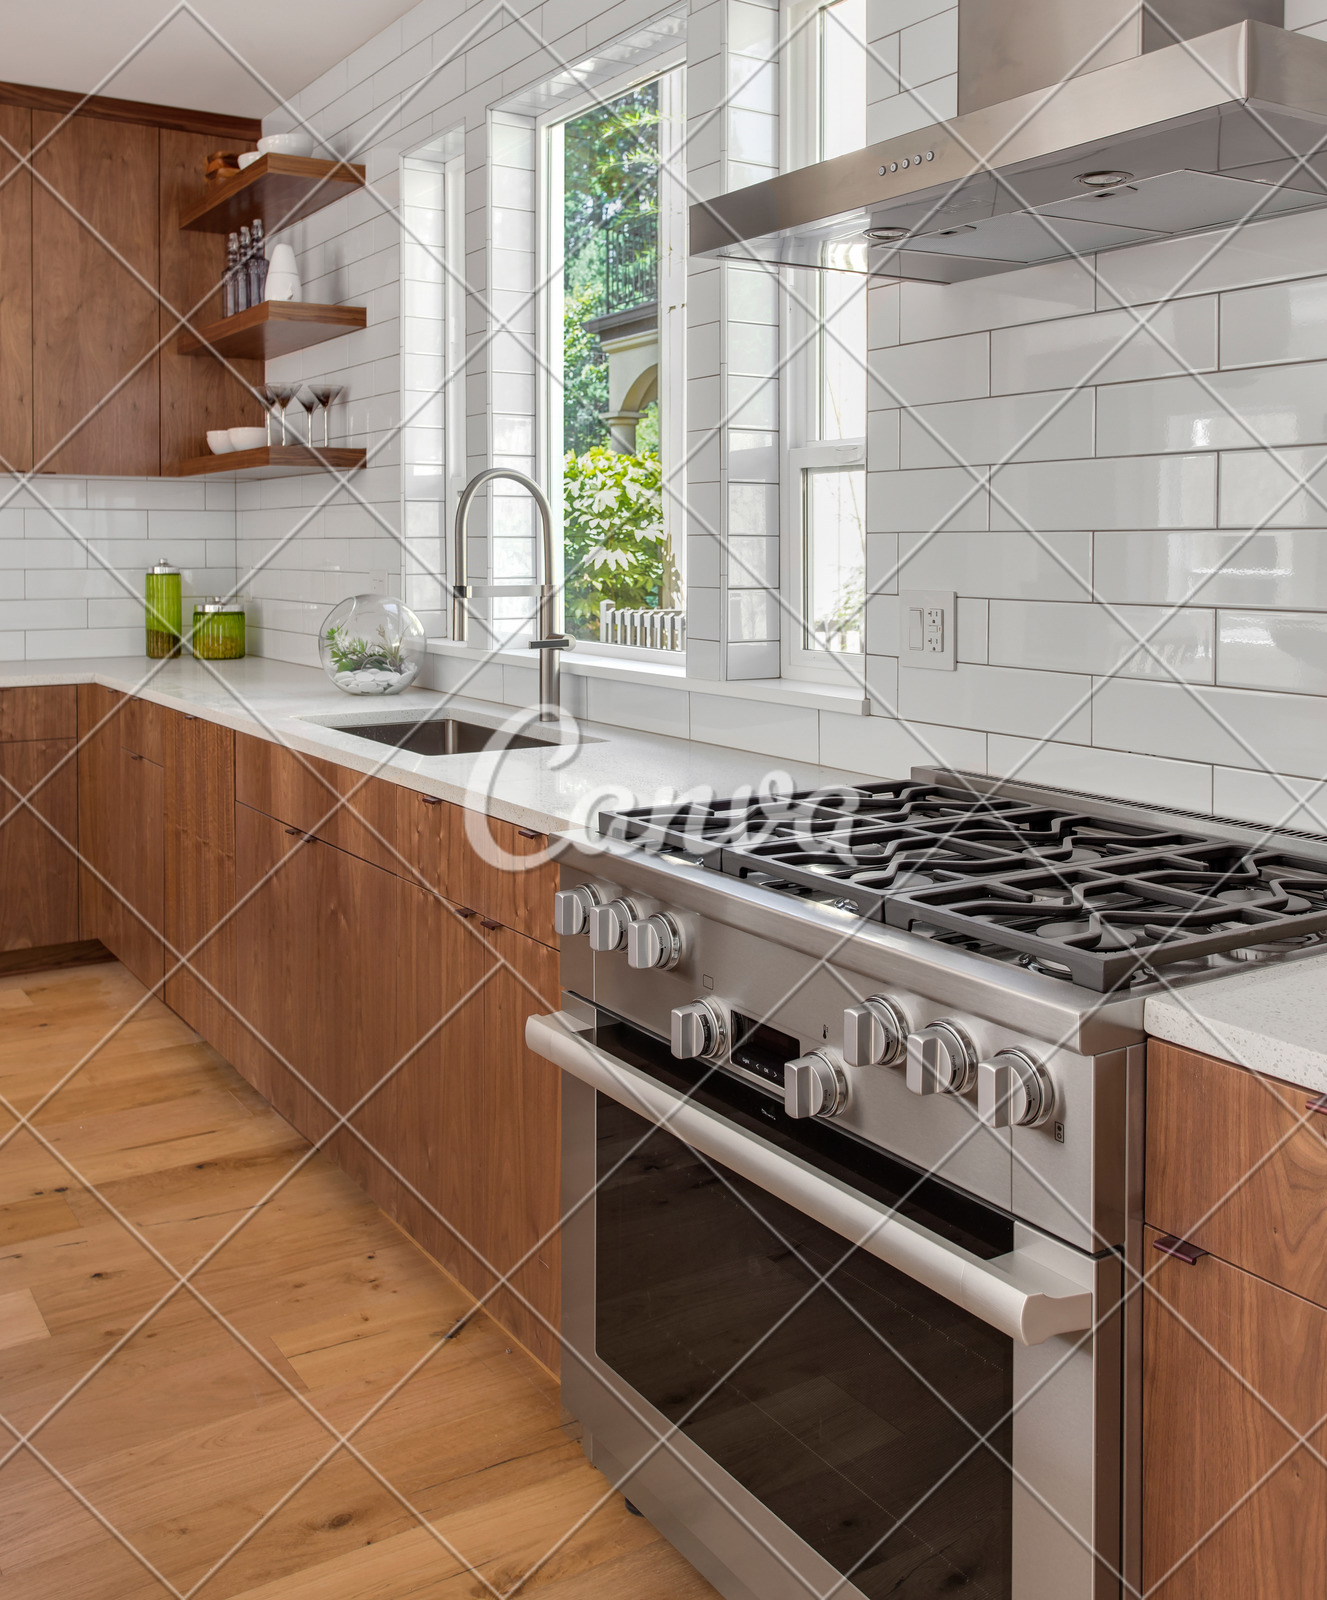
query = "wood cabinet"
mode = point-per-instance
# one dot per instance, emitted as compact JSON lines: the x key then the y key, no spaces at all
{"x":121,"y":811}
{"x":15,"y":291}
{"x":38,"y":818}
{"x":1235,"y":1343}
{"x":96,"y":322}
{"x":199,"y":875}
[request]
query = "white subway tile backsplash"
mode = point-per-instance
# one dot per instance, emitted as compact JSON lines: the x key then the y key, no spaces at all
{"x":1138,"y":641}
{"x":1016,"y":565}
{"x":1121,"y":492}
{"x":1285,"y":489}
{"x":1270,"y":798}
{"x":1207,"y":568}
{"x":1220,"y":411}
{"x":1036,"y":294}
{"x":941,"y":369}
{"x":789,"y":731}
{"x":1274,"y":322}
{"x":1034,"y":427}
{"x":948,"y":497}
{"x":1000,"y":700}
{"x":1149,"y":780}
{"x":1273,"y":650}
{"x":884,"y":747}
{"x":1110,"y":347}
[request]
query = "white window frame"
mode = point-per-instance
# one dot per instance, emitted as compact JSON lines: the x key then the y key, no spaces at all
{"x":673,"y":249}
{"x":445,"y":151}
{"x":799,"y":399}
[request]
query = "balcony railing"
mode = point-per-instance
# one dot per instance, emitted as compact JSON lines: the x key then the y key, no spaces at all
{"x":631,"y":262}
{"x":643,"y":627}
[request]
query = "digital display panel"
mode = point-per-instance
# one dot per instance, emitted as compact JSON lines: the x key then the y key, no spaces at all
{"x":762,"y":1049}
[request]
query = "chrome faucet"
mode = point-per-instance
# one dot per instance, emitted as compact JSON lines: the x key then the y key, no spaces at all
{"x":550,"y":644}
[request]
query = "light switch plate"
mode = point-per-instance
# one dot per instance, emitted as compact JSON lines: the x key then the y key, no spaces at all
{"x":928,"y":619}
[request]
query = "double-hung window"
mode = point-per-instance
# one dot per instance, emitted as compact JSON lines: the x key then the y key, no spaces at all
{"x":825,"y":387}
{"x":614,"y":273}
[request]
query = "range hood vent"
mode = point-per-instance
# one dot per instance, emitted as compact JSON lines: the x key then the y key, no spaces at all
{"x":1168,"y":141}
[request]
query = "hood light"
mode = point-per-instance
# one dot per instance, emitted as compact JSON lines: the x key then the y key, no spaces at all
{"x":1103,"y":180}
{"x":886,"y":235}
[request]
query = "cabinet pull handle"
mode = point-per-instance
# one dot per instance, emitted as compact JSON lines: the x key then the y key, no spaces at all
{"x":528,"y":833}
{"x":1181,"y":1249}
{"x":430,"y":799}
{"x":1318,"y":1103}
{"x":465,"y":911}
{"x":293,"y":830}
{"x":489,"y":923}
{"x":133,"y":755}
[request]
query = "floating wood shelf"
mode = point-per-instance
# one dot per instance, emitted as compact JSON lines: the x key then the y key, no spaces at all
{"x":274,"y":328}
{"x":271,"y":461}
{"x":277,"y":190}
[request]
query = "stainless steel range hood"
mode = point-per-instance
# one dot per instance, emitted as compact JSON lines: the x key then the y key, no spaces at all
{"x":1172,"y":140}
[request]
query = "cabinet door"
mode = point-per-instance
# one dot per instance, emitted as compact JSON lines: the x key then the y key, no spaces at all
{"x":199,"y":875}
{"x":95,"y":314}
{"x":15,"y":291}
{"x":1217,"y":1448}
{"x":38,"y":863}
{"x":316,"y":971}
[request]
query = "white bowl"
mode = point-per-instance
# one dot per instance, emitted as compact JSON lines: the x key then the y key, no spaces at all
{"x":286,"y":144}
{"x":218,"y":441}
{"x":247,"y":438}
{"x":248,"y":158}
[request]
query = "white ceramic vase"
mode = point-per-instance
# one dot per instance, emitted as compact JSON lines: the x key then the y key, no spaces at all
{"x":282,"y":275}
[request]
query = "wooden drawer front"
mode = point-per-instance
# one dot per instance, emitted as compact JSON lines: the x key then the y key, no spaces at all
{"x":38,"y":865}
{"x":98,"y":716}
{"x":143,"y":730}
{"x":1214,"y":1450}
{"x":380,"y":822}
{"x":491,"y":879}
{"x":42,"y":713}
{"x":1214,"y":1144}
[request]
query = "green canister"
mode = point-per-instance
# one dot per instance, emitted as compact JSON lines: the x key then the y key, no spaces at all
{"x":164,"y":610}
{"x":218,"y":632}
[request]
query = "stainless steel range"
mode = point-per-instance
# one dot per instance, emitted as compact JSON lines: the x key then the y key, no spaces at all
{"x":852,"y":1165}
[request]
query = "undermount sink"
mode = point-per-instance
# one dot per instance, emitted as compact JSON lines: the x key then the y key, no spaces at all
{"x":442,"y":736}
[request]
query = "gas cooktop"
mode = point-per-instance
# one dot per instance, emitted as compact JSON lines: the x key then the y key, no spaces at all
{"x":1103,"y":898}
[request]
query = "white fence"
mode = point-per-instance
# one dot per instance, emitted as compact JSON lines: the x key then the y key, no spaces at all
{"x":642,"y":628}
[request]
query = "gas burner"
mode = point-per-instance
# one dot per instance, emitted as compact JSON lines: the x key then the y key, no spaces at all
{"x":1102,"y":902}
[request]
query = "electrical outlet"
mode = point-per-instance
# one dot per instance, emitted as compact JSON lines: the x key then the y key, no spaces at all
{"x":926,"y":629}
{"x":377,"y":583}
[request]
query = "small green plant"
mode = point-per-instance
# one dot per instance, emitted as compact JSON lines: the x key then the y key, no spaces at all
{"x":613,"y":535}
{"x":356,"y":655}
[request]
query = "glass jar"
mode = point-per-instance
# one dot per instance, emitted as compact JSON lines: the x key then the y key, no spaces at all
{"x":164,"y":610}
{"x":218,"y":630}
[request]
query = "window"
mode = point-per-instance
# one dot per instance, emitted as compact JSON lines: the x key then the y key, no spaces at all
{"x":432,"y":369}
{"x":824,"y":409}
{"x":616,"y":253}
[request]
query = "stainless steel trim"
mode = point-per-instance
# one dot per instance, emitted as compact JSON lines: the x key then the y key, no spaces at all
{"x":1176,"y":110}
{"x":1015,"y":1293}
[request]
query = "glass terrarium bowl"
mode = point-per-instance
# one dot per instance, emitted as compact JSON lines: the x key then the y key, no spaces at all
{"x":370,"y":644}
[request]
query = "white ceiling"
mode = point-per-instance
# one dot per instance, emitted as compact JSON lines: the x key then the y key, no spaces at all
{"x":74,"y":44}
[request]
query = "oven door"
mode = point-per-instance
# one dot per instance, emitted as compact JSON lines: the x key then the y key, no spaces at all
{"x":816,"y":1370}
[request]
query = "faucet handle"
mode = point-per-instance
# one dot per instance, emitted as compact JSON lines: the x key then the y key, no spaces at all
{"x":559,"y":641}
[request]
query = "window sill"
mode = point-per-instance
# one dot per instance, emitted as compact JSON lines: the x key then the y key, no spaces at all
{"x":772,"y":691}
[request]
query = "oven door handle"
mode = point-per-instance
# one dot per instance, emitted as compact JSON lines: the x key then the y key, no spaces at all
{"x":1016,"y":1294}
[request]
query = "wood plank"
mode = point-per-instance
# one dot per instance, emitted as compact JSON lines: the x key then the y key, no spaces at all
{"x":39,"y":713}
{"x":1207,"y":1441}
{"x":199,"y":874}
{"x":234,"y":133}
{"x":141,"y":727}
{"x":184,"y":1440}
{"x":15,"y":292}
{"x":1211,"y":1128}
{"x":274,"y":328}
{"x":270,"y":461}
{"x":278,"y":190}
{"x":96,"y":400}
{"x":486,"y":868}
{"x":21,"y":1320}
{"x":38,"y":852}
{"x":195,"y":395}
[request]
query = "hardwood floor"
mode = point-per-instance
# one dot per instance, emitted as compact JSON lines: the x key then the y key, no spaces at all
{"x":184,"y":1435}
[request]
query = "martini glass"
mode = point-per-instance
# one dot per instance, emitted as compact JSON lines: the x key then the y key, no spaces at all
{"x":323,"y":395}
{"x":308,"y":398}
{"x":282,"y":395}
{"x":269,"y":406}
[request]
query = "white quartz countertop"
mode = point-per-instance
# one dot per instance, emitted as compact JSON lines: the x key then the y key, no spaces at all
{"x":1272,"y":1019}
{"x":554,"y":788}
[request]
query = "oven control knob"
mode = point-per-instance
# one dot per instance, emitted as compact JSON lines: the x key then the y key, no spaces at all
{"x":1014,"y":1091}
{"x":941,"y":1060}
{"x":654,"y":942}
{"x":699,"y":1031}
{"x":814,"y":1086}
{"x":609,"y":924}
{"x":572,"y":908}
{"x":875,"y":1033}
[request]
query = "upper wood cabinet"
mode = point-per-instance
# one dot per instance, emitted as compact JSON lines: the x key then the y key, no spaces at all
{"x":15,"y":293}
{"x":96,"y":324}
